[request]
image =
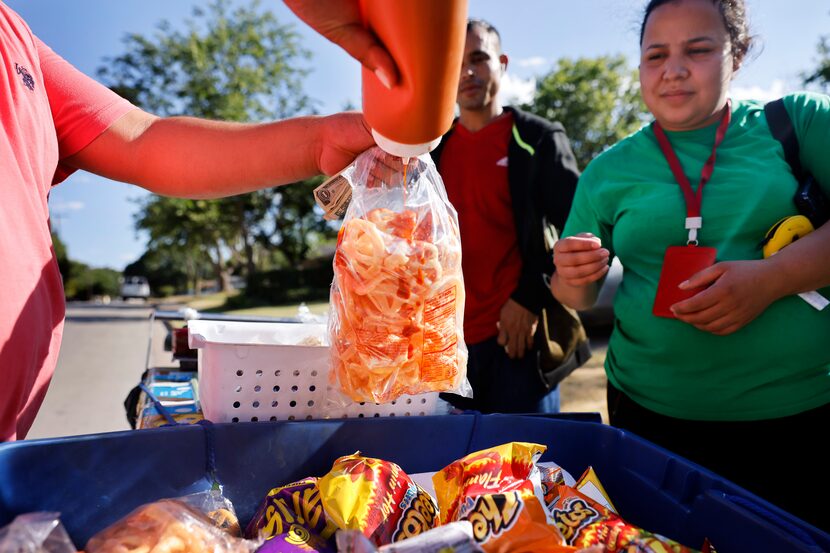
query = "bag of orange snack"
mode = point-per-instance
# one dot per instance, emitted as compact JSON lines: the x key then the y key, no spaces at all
{"x":499,"y":491}
{"x":585,"y":522}
{"x":377,"y":498}
{"x":398,"y":295}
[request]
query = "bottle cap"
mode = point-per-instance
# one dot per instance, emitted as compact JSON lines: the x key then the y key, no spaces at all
{"x":403,"y":150}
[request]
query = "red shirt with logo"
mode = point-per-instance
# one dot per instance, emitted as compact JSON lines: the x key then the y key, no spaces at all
{"x":48,"y":111}
{"x":474,"y":168}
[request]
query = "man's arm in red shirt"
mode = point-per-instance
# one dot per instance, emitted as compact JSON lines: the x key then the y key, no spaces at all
{"x":196,"y":158}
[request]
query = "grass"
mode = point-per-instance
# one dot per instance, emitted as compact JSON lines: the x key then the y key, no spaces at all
{"x":319,"y":308}
{"x":222,"y":302}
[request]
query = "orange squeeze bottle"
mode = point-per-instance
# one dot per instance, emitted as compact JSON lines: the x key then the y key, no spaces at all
{"x":426,"y":40}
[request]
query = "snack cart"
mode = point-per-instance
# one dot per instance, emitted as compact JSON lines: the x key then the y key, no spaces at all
{"x":95,"y":480}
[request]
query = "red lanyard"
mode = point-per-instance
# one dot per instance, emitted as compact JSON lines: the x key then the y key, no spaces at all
{"x":693,"y":198}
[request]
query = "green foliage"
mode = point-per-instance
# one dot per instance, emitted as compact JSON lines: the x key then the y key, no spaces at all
{"x":596,"y":99}
{"x":86,"y":283}
{"x":821,"y":76}
{"x":63,"y":258}
{"x":164,"y":271}
{"x":286,"y":285}
{"x":240,"y":65}
{"x":234,"y":65}
{"x":188,"y":234}
{"x":298,"y":227}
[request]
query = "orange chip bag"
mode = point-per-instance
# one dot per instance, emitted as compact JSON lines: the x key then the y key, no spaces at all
{"x":499,"y":491}
{"x":398,"y":295}
{"x":377,"y":498}
{"x":585,"y":522}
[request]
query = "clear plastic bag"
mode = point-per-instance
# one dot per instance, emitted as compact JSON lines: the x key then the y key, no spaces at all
{"x":217,"y":508}
{"x":397,"y":299}
{"x":36,"y":533}
{"x":167,"y":526}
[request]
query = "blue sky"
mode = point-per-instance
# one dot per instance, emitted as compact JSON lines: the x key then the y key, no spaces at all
{"x":94,"y":216}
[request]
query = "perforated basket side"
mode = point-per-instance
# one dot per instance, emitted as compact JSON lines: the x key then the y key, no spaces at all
{"x":241,"y":383}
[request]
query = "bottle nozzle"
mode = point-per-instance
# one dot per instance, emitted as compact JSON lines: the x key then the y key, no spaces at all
{"x":405,"y":151}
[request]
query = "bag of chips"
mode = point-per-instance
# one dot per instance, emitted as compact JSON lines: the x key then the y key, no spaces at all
{"x":377,"y":498}
{"x":38,"y":532}
{"x":499,"y":491}
{"x":585,"y":522}
{"x":168,"y":525}
{"x":398,"y":295}
{"x":291,"y":518}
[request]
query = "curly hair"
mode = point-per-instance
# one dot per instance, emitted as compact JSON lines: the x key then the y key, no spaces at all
{"x":733,"y":13}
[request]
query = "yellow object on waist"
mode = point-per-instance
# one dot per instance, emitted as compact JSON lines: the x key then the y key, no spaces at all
{"x":785,"y":232}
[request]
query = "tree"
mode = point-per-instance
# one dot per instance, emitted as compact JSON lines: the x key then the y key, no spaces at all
{"x":64,"y":264}
{"x":165,"y":271}
{"x":235,"y":65}
{"x":299,"y":227}
{"x":189,"y":232}
{"x":821,"y":76}
{"x":597,"y":100}
{"x":87,"y":282}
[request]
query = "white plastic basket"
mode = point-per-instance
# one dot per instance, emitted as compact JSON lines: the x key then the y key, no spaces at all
{"x":278,"y":371}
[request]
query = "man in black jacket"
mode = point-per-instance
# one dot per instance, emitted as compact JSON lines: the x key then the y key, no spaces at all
{"x":507,"y":173}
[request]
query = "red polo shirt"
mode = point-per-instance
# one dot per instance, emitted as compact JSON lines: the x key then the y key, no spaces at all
{"x":474,"y":168}
{"x":48,"y":111}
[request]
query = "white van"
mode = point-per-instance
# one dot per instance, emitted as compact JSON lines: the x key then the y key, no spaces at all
{"x":135,"y":287}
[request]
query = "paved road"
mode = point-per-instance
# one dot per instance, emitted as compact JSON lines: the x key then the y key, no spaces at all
{"x":102,"y":357}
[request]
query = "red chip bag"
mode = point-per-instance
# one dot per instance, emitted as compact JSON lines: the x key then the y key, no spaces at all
{"x":585,"y":522}
{"x":376,"y":497}
{"x":499,"y":491}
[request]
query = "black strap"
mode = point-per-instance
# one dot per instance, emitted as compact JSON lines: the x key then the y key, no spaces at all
{"x":781,"y":127}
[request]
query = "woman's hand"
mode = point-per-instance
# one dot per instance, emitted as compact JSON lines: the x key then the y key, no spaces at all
{"x":736,"y":293}
{"x":580,"y":260}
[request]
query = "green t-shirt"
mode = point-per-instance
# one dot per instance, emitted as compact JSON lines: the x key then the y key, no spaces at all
{"x":775,"y":366}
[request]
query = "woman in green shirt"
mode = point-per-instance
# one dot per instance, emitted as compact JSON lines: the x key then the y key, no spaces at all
{"x":737,"y":377}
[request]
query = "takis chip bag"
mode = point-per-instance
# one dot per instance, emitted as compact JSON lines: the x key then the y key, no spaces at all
{"x":499,"y":491}
{"x":585,"y":522}
{"x":377,"y":498}
{"x":291,"y":518}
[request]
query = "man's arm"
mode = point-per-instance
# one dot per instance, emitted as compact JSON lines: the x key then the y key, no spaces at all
{"x":196,"y":158}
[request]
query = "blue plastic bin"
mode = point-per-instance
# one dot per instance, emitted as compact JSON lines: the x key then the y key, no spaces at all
{"x":95,"y":480}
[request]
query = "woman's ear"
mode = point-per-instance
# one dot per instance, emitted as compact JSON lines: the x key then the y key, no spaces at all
{"x":503,"y":61}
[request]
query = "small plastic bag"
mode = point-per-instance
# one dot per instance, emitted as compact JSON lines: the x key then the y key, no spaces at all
{"x":218,"y":509}
{"x":36,"y":533}
{"x":397,"y":298}
{"x":168,"y":526}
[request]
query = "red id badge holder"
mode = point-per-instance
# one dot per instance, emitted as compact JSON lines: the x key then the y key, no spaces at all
{"x":682,"y":262}
{"x":679,"y":264}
